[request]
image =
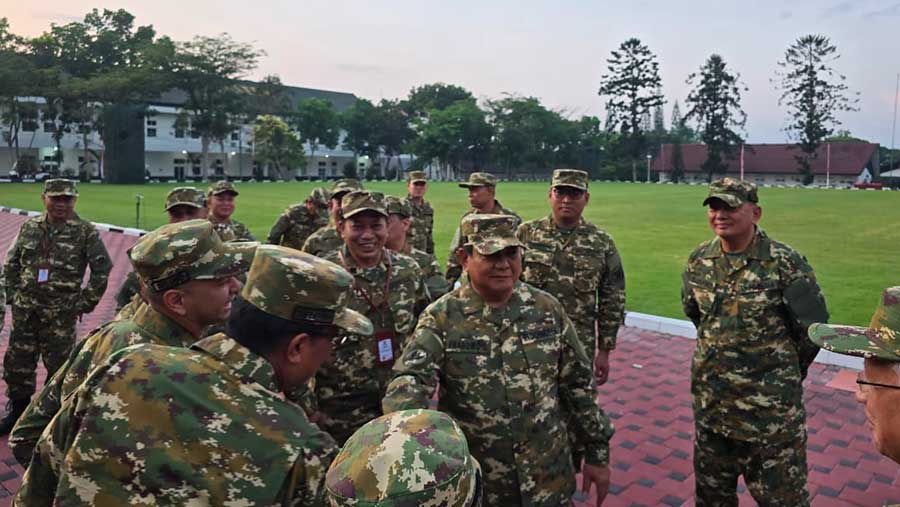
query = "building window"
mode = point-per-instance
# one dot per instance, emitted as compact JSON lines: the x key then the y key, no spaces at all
{"x":151,"y":123}
{"x":49,"y":126}
{"x":179,"y":133}
{"x":151,"y":132}
{"x":195,"y":134}
{"x":235,"y":136}
{"x":322,"y":163}
{"x":29,"y":126}
{"x":333,"y":163}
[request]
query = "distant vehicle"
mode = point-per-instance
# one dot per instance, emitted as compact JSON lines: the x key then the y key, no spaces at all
{"x":876,"y":186}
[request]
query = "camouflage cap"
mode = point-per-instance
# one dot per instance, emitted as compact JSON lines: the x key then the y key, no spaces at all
{"x":185,"y":196}
{"x":880,"y":340}
{"x":320,"y":197}
{"x":343,"y":186}
{"x":397,"y":206}
{"x":301,"y":287}
{"x":177,"y":253}
{"x":570,"y":178}
{"x":362,"y":200}
{"x":405,"y":458}
{"x":416,"y":176}
{"x":732,"y":192}
{"x":488,"y":233}
{"x":60,"y":187}
{"x":480,"y":180}
{"x":222,"y":187}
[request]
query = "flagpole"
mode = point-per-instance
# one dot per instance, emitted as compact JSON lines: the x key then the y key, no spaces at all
{"x":828,"y":165}
{"x":742,"y":162}
{"x":894,"y":131}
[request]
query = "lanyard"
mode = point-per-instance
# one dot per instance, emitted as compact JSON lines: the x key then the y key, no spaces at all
{"x":362,"y":292}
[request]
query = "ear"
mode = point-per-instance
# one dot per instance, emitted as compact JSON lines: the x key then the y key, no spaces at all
{"x":463,"y":258}
{"x":173,"y":299}
{"x":297,"y":348}
{"x":757,"y":214}
{"x":587,"y":197}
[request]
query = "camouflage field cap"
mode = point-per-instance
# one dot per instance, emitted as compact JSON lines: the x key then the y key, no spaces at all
{"x":732,"y":192}
{"x":570,"y":178}
{"x":222,"y":187}
{"x":404,"y":459}
{"x":320,"y":197}
{"x":480,"y":180}
{"x":60,"y":187}
{"x":175,"y":254}
{"x":397,"y":206}
{"x":362,"y":200}
{"x":185,"y":196}
{"x":343,"y":186}
{"x":416,"y":177}
{"x":880,"y":340}
{"x":489,"y":234}
{"x":301,"y":287}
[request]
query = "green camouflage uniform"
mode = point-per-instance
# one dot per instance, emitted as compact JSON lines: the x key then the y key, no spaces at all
{"x":880,"y":340}
{"x":44,"y":314}
{"x":435,"y":283}
{"x":162,"y":425}
{"x":130,"y":288}
{"x":510,"y":377}
{"x":407,"y":458}
{"x":229,"y":230}
{"x":199,"y":253}
{"x":295,"y":225}
{"x":2,"y":298}
{"x":327,"y":239}
{"x":421,"y":232}
{"x":751,"y":311}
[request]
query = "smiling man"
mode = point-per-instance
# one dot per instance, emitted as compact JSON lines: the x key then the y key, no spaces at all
{"x":752,"y":299}
{"x":221,"y":198}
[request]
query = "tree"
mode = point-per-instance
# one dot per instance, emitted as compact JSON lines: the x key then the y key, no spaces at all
{"x":277,"y":146}
{"x":267,"y":97}
{"x":436,"y":96}
{"x":527,"y":134}
{"x":317,"y":123}
{"x":631,"y":85}
{"x":813,"y":93}
{"x":17,"y":77}
{"x":207,"y":70}
{"x":393,"y":133}
{"x":715,"y":104}
{"x":677,"y":162}
{"x":659,"y":124}
{"x":359,"y":122}
{"x":453,"y":136}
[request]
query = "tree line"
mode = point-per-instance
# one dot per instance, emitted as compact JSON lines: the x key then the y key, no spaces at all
{"x":81,"y":68}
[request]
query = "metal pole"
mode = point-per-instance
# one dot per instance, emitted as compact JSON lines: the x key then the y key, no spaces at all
{"x":828,"y":165}
{"x":894,"y":131}
{"x":137,"y":210}
{"x":742,"y":162}
{"x":648,"y":167}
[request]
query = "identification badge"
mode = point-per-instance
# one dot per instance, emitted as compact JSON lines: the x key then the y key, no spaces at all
{"x":43,"y":274}
{"x":385,"y":348}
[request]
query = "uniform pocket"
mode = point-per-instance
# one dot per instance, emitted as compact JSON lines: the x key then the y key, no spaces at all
{"x":537,"y":266}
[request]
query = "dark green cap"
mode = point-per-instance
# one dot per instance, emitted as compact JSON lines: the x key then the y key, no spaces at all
{"x":60,"y":187}
{"x":570,"y":178}
{"x":480,"y":180}
{"x":362,"y":200}
{"x":880,"y":340}
{"x":343,"y":186}
{"x":488,"y":233}
{"x":416,"y":176}
{"x":222,"y":187}
{"x":397,"y":206}
{"x":732,"y":192}
{"x":185,"y":196}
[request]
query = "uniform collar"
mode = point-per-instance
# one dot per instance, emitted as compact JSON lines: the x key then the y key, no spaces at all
{"x":496,"y":210}
{"x":245,"y":363}
{"x":474,"y":304}
{"x":212,"y":218}
{"x":350,"y":263}
{"x":167,"y":330}
{"x":758,"y":249}
{"x":554,"y":226}
{"x":45,"y":218}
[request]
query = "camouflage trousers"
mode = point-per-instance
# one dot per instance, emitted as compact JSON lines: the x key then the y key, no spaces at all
{"x":43,"y":332}
{"x":775,"y":473}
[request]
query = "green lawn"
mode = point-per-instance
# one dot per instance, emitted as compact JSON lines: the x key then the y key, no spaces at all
{"x":851,"y":238}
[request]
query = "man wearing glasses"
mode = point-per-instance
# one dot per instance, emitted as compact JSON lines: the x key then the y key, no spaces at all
{"x":879,"y":382}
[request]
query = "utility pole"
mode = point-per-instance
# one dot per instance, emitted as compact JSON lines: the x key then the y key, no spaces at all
{"x":894,"y":130}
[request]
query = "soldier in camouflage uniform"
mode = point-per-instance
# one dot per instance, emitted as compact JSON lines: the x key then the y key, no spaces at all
{"x":326,"y":239}
{"x":752,"y":299}
{"x":189,"y":275}
{"x":400,"y":214}
{"x":387,"y":289}
{"x":511,"y":372}
{"x":421,"y":234}
{"x":220,"y":198}
{"x":44,"y":272}
{"x":182,"y":203}
{"x":482,"y":191}
{"x":409,"y":457}
{"x":208,"y":425}
{"x":299,"y":221}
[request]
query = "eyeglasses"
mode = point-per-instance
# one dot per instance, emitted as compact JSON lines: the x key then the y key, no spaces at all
{"x":865,"y":385}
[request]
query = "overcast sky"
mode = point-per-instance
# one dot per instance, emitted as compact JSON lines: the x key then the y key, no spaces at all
{"x":555,"y":51}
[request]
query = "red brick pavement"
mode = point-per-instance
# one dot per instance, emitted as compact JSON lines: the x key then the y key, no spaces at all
{"x":648,"y":398}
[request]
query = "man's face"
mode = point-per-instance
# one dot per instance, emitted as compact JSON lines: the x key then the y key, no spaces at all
{"x":417,"y":189}
{"x":732,"y":223}
{"x":365,"y":234}
{"x":208,"y":302}
{"x":882,"y":406}
{"x":183,"y":212}
{"x":315,"y":350}
{"x":222,"y":205}
{"x":312,"y":209}
{"x":497,"y":273}
{"x":481,"y":197}
{"x":567,"y":203}
{"x":397,"y":226}
{"x":59,"y":207}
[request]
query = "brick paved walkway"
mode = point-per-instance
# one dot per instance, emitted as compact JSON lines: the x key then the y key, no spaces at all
{"x":648,"y":397}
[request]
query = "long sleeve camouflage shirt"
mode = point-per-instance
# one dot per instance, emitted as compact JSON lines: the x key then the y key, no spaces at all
{"x":324,"y":241}
{"x":62,"y":252}
{"x":435,"y":283}
{"x":294,"y":226}
{"x":421,"y":232}
{"x":582,"y":269}
{"x":751,"y":311}
{"x":454,"y":268}
{"x":511,"y":378}
{"x":172,"y":426}
{"x":231,"y":230}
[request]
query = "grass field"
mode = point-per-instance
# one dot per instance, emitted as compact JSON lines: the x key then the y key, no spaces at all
{"x":851,"y":238}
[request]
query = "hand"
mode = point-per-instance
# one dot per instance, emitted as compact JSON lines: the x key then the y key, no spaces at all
{"x":597,"y":475}
{"x":601,"y":366}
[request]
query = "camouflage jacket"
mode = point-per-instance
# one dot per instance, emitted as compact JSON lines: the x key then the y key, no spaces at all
{"x":583,"y":270}
{"x":293,"y":226}
{"x":2,"y":298}
{"x":435,"y":283}
{"x":324,"y":241}
{"x":454,"y":268}
{"x":751,"y":311}
{"x":511,"y":378}
{"x":232,"y":230}
{"x":146,"y":326}
{"x":421,"y":232}
{"x":349,"y":389}
{"x":130,"y":287}
{"x":66,"y":250}
{"x":172,"y":426}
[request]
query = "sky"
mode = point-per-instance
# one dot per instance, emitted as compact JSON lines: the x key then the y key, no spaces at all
{"x":553,"y":50}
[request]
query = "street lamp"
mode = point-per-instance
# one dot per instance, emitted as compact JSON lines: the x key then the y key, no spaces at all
{"x":649,"y":156}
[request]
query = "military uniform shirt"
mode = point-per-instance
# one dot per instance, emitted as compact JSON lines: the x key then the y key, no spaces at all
{"x":580,"y":267}
{"x":510,"y":377}
{"x":130,"y":287}
{"x":435,"y":283}
{"x":294,"y":226}
{"x":325,"y":240}
{"x":421,"y":232}
{"x":454,"y":268}
{"x":232,"y":230}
